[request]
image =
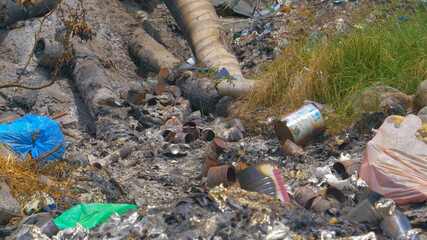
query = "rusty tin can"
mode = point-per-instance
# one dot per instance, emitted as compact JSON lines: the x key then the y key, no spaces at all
{"x":183,"y":137}
{"x":335,"y":195}
{"x":301,"y":126}
{"x":264,"y":177}
{"x":304,"y":196}
{"x":347,"y":168}
{"x":289,"y":148}
{"x":209,"y":163}
{"x":207,"y":135}
{"x":321,"y":205}
{"x":225,"y":174}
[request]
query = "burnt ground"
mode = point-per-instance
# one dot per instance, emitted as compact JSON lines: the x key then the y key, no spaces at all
{"x":168,"y":189}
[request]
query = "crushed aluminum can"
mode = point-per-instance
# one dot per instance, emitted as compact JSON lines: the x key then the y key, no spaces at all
{"x":237,"y":122}
{"x":321,"y":205}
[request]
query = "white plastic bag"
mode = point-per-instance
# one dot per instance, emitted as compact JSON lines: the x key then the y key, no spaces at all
{"x":395,"y":161}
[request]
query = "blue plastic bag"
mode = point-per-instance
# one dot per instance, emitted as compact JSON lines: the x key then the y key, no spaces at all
{"x":19,"y":136}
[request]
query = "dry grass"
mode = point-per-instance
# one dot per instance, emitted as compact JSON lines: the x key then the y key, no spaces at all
{"x":24,"y":179}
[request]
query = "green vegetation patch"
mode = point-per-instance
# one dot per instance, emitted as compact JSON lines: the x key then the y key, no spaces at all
{"x":387,"y":48}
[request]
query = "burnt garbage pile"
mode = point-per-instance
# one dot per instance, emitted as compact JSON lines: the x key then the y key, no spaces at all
{"x":155,"y":167}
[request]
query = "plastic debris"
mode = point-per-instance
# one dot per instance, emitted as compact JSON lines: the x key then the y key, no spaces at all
{"x":90,"y":215}
{"x":395,"y":161}
{"x":33,"y":133}
{"x":223,"y":73}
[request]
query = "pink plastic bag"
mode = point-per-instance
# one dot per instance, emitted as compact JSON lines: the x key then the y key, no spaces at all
{"x":395,"y":161}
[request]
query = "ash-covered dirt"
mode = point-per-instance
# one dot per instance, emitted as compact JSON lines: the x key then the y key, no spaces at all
{"x":168,"y":189}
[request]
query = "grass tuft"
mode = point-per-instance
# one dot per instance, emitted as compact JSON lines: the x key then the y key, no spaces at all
{"x":387,"y":51}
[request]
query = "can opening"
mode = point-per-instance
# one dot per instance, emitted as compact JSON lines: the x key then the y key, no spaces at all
{"x":189,"y":138}
{"x":231,"y":176}
{"x":40,"y":47}
{"x":208,"y":135}
{"x":282,"y":131}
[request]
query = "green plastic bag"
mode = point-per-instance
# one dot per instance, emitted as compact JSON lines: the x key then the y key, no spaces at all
{"x":90,"y":215}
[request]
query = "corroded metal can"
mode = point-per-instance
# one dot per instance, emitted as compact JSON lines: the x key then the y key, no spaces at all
{"x":290,"y":149}
{"x":209,"y":163}
{"x":347,"y":168}
{"x":225,"y":174}
{"x":301,"y":126}
{"x":304,"y":196}
{"x":264,"y":177}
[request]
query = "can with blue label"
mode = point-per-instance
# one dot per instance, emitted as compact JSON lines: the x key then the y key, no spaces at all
{"x":301,"y":126}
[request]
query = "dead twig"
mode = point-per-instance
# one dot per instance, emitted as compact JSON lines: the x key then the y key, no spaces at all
{"x":121,"y":189}
{"x":58,"y":115}
{"x":36,"y":39}
{"x":69,"y":134}
{"x":48,"y":153}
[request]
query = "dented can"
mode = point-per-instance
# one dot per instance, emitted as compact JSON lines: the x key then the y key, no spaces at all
{"x":301,"y":126}
{"x":240,"y":166}
{"x":47,"y":226}
{"x":233,"y":134}
{"x":169,"y":135}
{"x":160,"y":88}
{"x":237,"y":122}
{"x":264,"y":177}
